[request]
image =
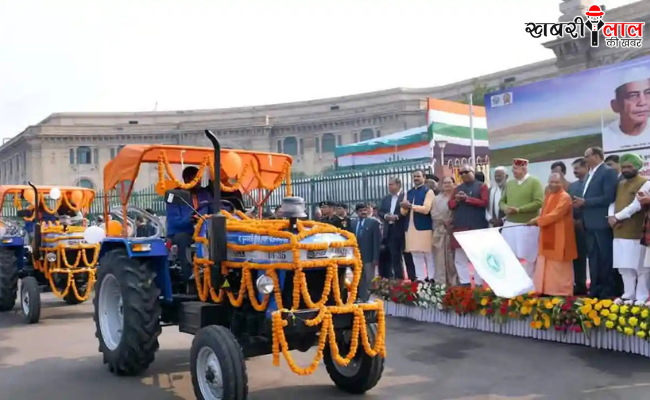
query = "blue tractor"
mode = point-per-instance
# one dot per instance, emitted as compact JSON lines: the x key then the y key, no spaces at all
{"x":139,"y":288}
{"x":32,"y":242}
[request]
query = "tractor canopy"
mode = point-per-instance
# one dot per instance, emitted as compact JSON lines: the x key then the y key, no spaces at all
{"x":72,"y":199}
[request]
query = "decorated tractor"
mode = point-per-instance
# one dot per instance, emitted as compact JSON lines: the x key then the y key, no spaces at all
{"x":257,"y":286}
{"x":44,"y":247}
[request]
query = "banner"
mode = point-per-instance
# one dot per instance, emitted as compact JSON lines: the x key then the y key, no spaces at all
{"x":560,"y":118}
{"x":495,"y":262}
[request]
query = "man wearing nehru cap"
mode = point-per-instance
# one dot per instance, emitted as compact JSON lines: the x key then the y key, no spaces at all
{"x":627,"y":220}
{"x":632,"y":104}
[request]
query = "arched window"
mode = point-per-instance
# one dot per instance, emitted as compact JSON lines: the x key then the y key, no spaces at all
{"x":367,"y":134}
{"x":86,"y":183}
{"x":71,"y":156}
{"x":84,"y":155}
{"x":291,"y":146}
{"x":328,"y":143}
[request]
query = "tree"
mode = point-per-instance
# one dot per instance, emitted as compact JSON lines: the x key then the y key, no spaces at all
{"x":478,"y":94}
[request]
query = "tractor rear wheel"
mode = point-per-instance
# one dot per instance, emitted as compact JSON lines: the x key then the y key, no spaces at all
{"x":127,"y":313}
{"x":8,"y":279}
{"x":362,"y":373}
{"x":217,"y":365}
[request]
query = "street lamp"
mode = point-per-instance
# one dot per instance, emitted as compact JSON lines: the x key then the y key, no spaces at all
{"x":441,"y":144}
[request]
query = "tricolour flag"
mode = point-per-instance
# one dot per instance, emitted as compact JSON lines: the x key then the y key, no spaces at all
{"x":493,"y":260}
{"x":449,"y":121}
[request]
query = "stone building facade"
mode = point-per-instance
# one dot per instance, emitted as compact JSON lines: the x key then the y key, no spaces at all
{"x":72,"y":148}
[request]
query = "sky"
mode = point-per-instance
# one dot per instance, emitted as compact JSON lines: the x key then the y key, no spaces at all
{"x":93,"y":56}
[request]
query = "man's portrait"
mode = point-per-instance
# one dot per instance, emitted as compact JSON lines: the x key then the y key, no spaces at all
{"x":631,"y":101}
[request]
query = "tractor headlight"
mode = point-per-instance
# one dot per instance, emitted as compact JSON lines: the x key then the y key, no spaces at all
{"x":265,"y":284}
{"x":349,"y":276}
{"x":50,"y":257}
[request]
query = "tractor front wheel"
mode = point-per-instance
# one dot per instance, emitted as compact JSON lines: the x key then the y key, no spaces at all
{"x":217,"y":365}
{"x":362,"y":373}
{"x":30,"y":299}
{"x":8,"y":279}
{"x":127,"y":313}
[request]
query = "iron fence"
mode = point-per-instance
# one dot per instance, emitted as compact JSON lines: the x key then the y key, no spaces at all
{"x":346,"y":187}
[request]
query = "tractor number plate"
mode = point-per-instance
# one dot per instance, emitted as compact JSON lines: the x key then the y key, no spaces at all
{"x":328,"y":253}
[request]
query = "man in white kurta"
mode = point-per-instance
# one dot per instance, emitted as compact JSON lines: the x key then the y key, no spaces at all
{"x":627,"y":220}
{"x":521,"y":202}
{"x":493,"y":214}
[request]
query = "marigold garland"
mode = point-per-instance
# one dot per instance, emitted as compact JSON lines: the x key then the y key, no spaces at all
{"x":62,"y":200}
{"x":82,"y":263}
{"x":278,"y":229}
{"x":165,"y":168}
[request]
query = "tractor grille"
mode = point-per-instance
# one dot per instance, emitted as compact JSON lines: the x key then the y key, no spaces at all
{"x":315,"y":284}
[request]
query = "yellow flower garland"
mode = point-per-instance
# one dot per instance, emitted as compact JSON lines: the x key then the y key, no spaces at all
{"x":165,"y":168}
{"x":82,"y":263}
{"x":277,"y":229}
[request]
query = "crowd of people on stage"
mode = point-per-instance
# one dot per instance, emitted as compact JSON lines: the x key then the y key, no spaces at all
{"x":601,"y":221}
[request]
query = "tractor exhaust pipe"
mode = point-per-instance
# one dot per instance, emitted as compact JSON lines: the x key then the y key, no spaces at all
{"x":36,"y":201}
{"x":217,"y":234}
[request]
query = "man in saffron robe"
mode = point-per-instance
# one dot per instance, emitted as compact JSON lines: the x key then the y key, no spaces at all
{"x":626,"y":218}
{"x":521,"y":202}
{"x":557,"y":242}
{"x":416,"y":207}
{"x":469,"y":203}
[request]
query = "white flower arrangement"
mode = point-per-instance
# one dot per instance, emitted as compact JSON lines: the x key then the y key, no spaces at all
{"x":430,"y":295}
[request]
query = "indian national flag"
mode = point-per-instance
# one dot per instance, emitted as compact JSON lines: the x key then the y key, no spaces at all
{"x":449,"y":121}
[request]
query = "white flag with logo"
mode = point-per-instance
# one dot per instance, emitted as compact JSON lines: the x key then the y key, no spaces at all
{"x":494,"y":261}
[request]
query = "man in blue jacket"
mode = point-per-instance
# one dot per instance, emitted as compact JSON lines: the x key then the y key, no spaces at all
{"x":182,"y":218}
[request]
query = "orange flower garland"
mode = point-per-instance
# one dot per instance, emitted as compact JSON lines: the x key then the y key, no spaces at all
{"x":277,"y":229}
{"x":82,"y":263}
{"x":164,"y":167}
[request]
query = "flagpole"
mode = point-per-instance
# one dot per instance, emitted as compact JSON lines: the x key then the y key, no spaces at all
{"x":471,"y":129}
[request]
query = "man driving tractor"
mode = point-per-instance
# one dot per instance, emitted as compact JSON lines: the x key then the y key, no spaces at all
{"x":181,"y":219}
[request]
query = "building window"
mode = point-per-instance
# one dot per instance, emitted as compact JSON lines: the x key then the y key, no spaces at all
{"x":378,"y":133}
{"x":279,"y":146}
{"x":291,"y":146}
{"x":84,"y":155}
{"x":112,"y":153}
{"x":329,"y":143}
{"x":133,"y":122}
{"x":367,"y":134}
{"x":71,"y":156}
{"x":86,"y":183}
{"x":317,"y":145}
{"x":339,"y":140}
{"x":96,"y":156}
{"x":302,"y":147}
{"x":355,"y":137}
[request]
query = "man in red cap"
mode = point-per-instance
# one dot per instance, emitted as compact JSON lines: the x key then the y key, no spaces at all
{"x":521,"y":202}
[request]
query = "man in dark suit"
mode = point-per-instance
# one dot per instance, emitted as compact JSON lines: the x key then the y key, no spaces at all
{"x":393,"y":237}
{"x":598,"y":192}
{"x":366,"y":230}
{"x":580,"y":171}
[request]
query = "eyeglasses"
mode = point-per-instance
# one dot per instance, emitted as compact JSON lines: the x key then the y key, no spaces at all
{"x":464,"y":172}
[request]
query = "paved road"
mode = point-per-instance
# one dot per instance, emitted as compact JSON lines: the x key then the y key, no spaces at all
{"x":58,"y":360}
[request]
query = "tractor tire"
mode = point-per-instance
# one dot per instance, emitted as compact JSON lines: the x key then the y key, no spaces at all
{"x":8,"y":279}
{"x":355,"y":378}
{"x":30,"y":299}
{"x":215,"y":347}
{"x":127,"y":330}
